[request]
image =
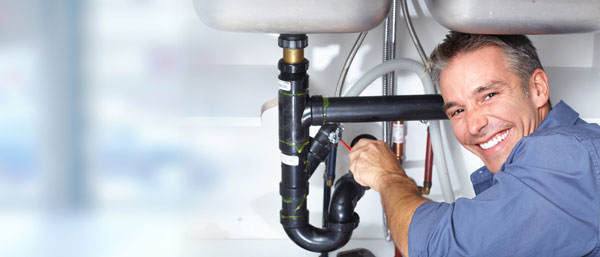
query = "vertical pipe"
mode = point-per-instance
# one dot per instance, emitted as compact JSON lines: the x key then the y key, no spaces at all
{"x":389,"y":53}
{"x":388,"y":81}
{"x":342,"y":79}
{"x":330,"y":176}
{"x":328,"y":179}
{"x":293,"y":136}
{"x":391,"y":90}
{"x":412,"y":32}
{"x":326,"y":198}
{"x":428,"y":166}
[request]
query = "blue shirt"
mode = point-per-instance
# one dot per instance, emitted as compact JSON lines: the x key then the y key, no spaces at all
{"x":544,"y":201}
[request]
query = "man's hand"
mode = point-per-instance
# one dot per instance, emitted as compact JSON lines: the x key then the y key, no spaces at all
{"x":372,"y":162}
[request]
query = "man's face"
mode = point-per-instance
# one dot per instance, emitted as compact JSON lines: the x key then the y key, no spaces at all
{"x":486,"y":105}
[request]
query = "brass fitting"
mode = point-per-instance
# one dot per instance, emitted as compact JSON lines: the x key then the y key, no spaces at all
{"x":293,"y":56}
{"x":425,"y":190}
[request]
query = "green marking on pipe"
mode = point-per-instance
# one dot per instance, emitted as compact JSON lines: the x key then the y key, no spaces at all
{"x":287,"y":143}
{"x":296,"y":145}
{"x":302,"y":147}
{"x":325,"y":105}
{"x":290,"y":217}
{"x":301,"y":203}
{"x":289,"y":200}
{"x":294,"y":94}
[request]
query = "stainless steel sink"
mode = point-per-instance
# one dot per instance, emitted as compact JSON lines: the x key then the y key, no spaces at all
{"x":292,"y":16}
{"x":517,"y":16}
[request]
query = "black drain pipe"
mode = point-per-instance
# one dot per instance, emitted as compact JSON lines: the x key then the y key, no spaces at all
{"x":322,"y":110}
{"x":342,"y":220}
{"x":295,"y":172}
{"x":293,"y":143}
{"x":300,"y":154}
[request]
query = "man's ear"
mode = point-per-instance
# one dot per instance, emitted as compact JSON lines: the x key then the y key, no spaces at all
{"x":538,"y":88}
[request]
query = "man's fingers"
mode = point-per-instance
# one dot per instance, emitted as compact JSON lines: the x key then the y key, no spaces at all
{"x":362,"y":142}
{"x":355,"y":152}
{"x":367,"y":161}
{"x":361,"y":146}
{"x":352,"y":163}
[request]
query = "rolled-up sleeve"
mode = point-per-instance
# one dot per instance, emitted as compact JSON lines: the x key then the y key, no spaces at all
{"x":538,"y":205}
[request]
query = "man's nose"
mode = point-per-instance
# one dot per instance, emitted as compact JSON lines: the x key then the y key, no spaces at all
{"x":476,"y":121}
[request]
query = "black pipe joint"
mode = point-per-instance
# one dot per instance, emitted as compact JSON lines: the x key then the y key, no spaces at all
{"x":290,"y":69}
{"x":316,"y":111}
{"x":319,"y":147}
{"x":293,"y":41}
{"x":345,"y":197}
{"x":292,"y":214}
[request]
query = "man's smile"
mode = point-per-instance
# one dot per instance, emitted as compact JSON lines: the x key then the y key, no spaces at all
{"x":494,"y":141}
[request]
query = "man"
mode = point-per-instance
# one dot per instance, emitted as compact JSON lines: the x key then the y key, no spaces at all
{"x":538,"y":193}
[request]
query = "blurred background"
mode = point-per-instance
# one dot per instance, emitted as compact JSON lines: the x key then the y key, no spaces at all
{"x":98,"y":155}
{"x":129,"y":128}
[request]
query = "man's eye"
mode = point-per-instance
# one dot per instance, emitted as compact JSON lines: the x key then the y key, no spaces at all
{"x":456,"y":112}
{"x":490,"y":95}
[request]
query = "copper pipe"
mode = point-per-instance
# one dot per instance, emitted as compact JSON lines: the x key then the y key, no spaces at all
{"x":293,"y":56}
{"x":398,"y":140}
{"x":428,"y":166}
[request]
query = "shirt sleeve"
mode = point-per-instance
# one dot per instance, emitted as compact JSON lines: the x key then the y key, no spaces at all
{"x":544,"y":202}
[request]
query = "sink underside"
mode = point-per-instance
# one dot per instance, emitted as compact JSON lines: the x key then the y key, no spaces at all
{"x":348,"y":16}
{"x":292,"y":16}
{"x":517,"y":16}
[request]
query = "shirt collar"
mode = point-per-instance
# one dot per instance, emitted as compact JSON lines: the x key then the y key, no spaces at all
{"x":560,"y":115}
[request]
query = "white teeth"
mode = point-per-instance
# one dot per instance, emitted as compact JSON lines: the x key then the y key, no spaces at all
{"x":494,"y":141}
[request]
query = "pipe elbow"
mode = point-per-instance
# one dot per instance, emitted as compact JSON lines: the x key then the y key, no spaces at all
{"x":342,"y":220}
{"x":318,"y":240}
{"x":345,"y":197}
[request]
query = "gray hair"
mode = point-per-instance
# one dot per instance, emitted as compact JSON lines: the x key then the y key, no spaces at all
{"x":519,"y":54}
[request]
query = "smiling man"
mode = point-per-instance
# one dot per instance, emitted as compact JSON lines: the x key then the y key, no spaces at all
{"x":538,"y":193}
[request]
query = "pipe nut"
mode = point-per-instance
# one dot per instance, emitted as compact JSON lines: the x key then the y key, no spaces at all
{"x":293,"y":41}
{"x":293,"y":68}
{"x":344,"y":227}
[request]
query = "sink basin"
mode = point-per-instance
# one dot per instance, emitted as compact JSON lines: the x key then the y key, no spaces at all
{"x":292,"y":16}
{"x":517,"y":16}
